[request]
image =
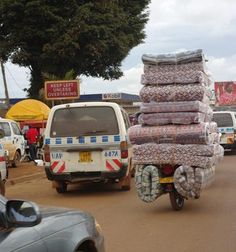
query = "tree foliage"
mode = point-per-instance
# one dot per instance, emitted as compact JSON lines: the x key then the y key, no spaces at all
{"x":56,"y":36}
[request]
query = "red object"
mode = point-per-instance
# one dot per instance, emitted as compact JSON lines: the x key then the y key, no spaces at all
{"x":167,"y":169}
{"x":47,"y":157}
{"x":57,"y":90}
{"x":32,"y":135}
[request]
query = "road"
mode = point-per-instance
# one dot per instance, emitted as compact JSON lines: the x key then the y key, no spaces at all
{"x":204,"y":225}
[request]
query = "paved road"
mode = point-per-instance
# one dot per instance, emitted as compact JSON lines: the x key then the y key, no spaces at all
{"x":205,"y":225}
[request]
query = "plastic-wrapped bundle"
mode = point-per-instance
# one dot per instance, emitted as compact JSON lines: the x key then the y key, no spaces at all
{"x":173,"y":93}
{"x":173,"y":75}
{"x":172,"y":118}
{"x":182,"y":106}
{"x":151,"y":151}
{"x":147,"y":183}
{"x":180,"y":134}
{"x":174,"y":58}
{"x":190,"y":181}
{"x":176,"y":159}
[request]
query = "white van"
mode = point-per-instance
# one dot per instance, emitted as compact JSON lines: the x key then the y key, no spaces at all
{"x":3,"y":167}
{"x":13,"y":141}
{"x":87,"y":142}
{"x":226,"y":122}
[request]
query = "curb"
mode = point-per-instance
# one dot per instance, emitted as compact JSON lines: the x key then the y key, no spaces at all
{"x":25,"y":178}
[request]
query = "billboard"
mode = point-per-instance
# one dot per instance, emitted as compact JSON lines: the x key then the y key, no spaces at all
{"x":62,"y":89}
{"x":225,"y":93}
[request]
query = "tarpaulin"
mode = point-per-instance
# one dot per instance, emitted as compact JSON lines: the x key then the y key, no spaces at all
{"x":28,"y":109}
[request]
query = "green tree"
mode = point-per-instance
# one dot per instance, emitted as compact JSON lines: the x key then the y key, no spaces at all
{"x":57,"y":36}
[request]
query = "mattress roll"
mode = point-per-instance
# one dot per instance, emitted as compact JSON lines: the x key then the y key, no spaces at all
{"x":189,"y":181}
{"x":173,"y":93}
{"x":167,"y":107}
{"x":180,"y":134}
{"x":172,"y":118}
{"x":147,"y":183}
{"x":157,"y":77}
{"x":176,"y":159}
{"x":149,"y":151}
{"x":174,"y":58}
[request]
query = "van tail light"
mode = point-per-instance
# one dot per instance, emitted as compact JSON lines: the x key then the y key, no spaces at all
{"x":47,"y":153}
{"x":2,"y":159}
{"x":124,"y":149}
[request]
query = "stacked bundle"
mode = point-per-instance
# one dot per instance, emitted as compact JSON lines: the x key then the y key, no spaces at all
{"x":175,"y":125}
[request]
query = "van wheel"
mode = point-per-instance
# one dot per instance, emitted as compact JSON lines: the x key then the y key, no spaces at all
{"x":2,"y":188}
{"x":61,"y":188}
{"x":125,"y":183}
{"x":16,"y":159}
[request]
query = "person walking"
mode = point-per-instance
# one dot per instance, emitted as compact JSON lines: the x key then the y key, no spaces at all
{"x":31,"y":136}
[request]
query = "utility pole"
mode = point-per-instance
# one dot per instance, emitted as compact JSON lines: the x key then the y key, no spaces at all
{"x":5,"y":83}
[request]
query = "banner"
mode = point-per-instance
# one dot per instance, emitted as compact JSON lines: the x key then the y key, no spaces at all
{"x":225,"y":93}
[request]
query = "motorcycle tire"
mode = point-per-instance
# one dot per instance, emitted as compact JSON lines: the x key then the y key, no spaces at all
{"x":176,"y":200}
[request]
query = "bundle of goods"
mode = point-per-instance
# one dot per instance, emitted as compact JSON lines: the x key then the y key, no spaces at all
{"x":175,"y":126}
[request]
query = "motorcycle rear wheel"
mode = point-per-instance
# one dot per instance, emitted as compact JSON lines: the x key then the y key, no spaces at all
{"x":176,"y":200}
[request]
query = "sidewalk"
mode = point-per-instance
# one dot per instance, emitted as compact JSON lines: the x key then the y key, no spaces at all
{"x":24,"y":172}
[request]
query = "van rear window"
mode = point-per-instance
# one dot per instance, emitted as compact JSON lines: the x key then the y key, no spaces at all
{"x":223,"y":119}
{"x":84,"y":121}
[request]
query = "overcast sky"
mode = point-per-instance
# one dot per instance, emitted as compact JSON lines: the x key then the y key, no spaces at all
{"x":173,"y":25}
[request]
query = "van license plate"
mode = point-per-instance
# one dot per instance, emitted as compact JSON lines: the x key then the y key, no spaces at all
{"x":85,"y":156}
{"x":166,"y":180}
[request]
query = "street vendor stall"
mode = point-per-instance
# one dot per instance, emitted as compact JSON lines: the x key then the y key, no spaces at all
{"x":30,"y":112}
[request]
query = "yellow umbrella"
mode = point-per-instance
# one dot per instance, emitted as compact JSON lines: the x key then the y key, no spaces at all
{"x":28,"y":109}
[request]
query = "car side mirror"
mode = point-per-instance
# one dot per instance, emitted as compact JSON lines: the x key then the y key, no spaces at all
{"x":20,"y":213}
{"x":2,"y":134}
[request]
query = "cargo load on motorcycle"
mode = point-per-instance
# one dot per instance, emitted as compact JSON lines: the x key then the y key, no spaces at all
{"x":176,"y":144}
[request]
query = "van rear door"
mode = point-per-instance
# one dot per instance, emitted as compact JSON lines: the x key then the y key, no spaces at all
{"x":84,"y":139}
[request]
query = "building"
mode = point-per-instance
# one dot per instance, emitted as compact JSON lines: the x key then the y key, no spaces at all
{"x":129,"y":102}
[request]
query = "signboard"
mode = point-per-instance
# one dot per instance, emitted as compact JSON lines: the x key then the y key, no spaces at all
{"x":62,"y":90}
{"x":111,"y":96}
{"x":225,"y":93}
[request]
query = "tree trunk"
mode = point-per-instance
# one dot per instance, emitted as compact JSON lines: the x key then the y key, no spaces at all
{"x":36,"y":82}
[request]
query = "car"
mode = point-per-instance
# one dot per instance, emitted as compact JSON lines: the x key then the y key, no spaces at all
{"x":24,"y":227}
{"x":3,"y":166}
{"x":13,"y":141}
{"x":226,"y":122}
{"x":88,"y":142}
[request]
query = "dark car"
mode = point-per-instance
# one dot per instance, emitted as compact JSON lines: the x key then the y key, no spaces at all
{"x":24,"y":227}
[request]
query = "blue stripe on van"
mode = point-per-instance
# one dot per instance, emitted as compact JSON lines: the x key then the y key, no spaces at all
{"x":81,"y":140}
{"x":105,"y":139}
{"x":93,"y":139}
{"x":58,"y":140}
{"x":47,"y":141}
{"x":117,"y":138}
{"x":69,"y":140}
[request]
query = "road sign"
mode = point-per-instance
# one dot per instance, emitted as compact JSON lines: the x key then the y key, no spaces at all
{"x":62,"y":89}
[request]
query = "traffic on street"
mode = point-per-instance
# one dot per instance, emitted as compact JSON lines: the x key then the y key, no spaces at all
{"x":128,"y":224}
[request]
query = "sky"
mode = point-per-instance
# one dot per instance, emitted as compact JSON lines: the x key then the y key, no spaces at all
{"x":173,"y":26}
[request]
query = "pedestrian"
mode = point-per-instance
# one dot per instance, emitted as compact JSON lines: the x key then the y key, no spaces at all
{"x":31,"y":136}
